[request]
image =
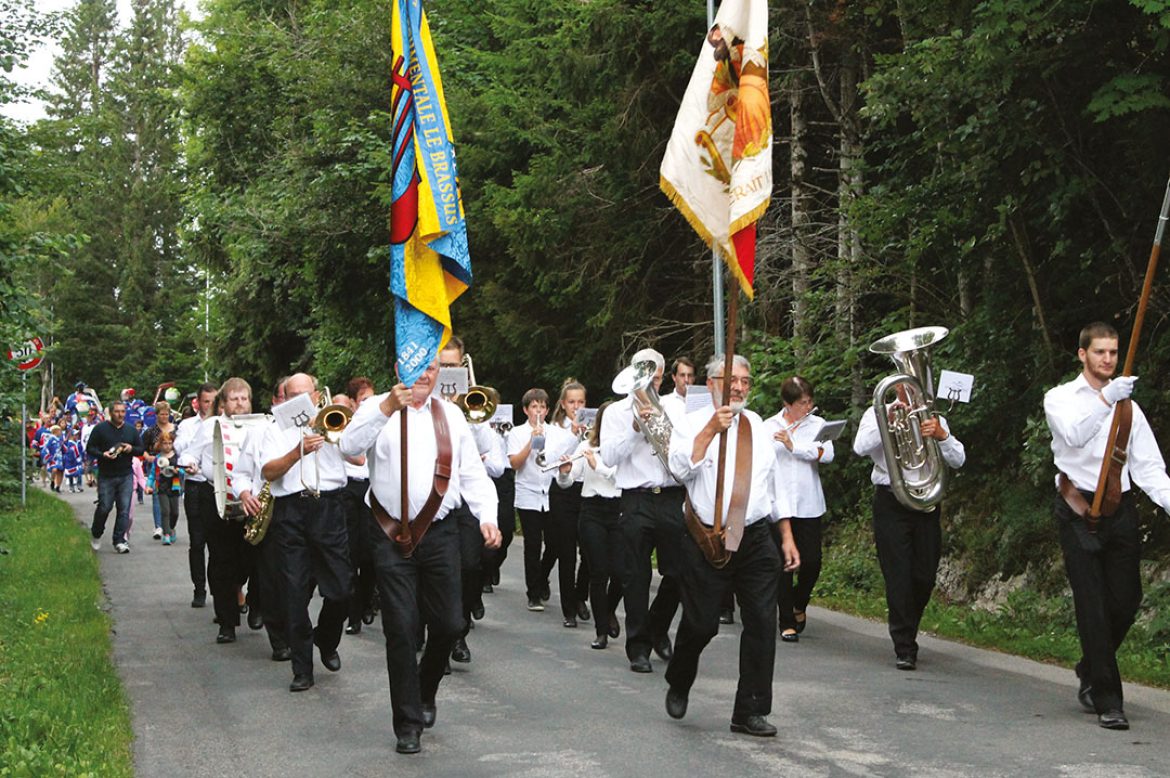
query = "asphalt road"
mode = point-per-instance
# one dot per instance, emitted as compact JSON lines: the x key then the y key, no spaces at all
{"x":537,"y":701}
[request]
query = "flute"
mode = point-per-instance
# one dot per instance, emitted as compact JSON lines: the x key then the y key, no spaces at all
{"x":557,"y":465}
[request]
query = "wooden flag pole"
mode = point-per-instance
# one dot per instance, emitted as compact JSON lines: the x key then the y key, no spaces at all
{"x":1131,"y":353}
{"x":404,"y":516}
{"x":725,"y":399}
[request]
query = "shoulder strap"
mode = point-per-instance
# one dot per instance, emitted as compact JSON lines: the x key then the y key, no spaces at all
{"x":741,"y":487}
{"x":1117,"y":460}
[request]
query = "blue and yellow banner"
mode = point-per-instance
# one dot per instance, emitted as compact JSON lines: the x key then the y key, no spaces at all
{"x":429,"y":262}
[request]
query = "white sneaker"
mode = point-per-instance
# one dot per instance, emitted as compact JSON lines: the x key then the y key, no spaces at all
{"x":95,"y":543}
{"x":122,"y":548}
{"x":157,"y":533}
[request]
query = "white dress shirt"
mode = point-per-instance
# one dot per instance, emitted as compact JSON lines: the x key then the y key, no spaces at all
{"x":868,"y":443}
{"x":326,"y":462}
{"x":567,"y":425}
{"x":531,"y":484}
{"x":595,"y":482}
{"x":248,"y":465}
{"x":797,"y":471}
{"x":1080,"y":424}
{"x":626,"y":449}
{"x":700,"y":477}
{"x":676,"y":402}
{"x":491,"y":448}
{"x":185,"y":435}
{"x":241,"y":475}
{"x":372,"y":433}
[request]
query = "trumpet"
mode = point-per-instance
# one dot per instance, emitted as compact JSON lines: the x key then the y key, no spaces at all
{"x":330,"y":421}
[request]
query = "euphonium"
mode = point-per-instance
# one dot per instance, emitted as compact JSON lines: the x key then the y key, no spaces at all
{"x":637,"y":381}
{"x":918,"y":474}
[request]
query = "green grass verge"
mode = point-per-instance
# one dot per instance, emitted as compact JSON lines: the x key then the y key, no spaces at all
{"x":1029,"y":624}
{"x":63,"y":711}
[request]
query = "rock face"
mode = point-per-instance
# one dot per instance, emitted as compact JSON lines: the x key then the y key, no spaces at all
{"x":994,"y":593}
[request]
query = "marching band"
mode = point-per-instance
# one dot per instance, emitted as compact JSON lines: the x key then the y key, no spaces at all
{"x":405,"y":502}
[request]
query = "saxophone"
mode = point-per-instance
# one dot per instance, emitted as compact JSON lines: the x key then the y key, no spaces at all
{"x":256,"y":527}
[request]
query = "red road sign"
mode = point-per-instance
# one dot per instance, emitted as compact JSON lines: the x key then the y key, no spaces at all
{"x":28,"y":354}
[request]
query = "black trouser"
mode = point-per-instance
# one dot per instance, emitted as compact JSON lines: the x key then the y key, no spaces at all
{"x":493,"y":558}
{"x":1103,"y":571}
{"x":314,"y":548}
{"x":534,"y":525}
{"x":650,"y":521}
{"x":199,"y":506}
{"x":226,"y":565}
{"x":470,"y":562}
{"x":752,"y":574}
{"x":361,"y":561}
{"x":269,"y":591}
{"x":428,"y":584}
{"x":564,"y":511}
{"x":792,"y":597}
{"x":604,"y":549}
{"x":909,"y":547}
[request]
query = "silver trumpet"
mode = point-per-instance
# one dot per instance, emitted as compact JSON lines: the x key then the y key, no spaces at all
{"x":918,"y":474}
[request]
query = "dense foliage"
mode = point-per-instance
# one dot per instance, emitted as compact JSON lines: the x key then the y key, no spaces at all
{"x":995,"y":167}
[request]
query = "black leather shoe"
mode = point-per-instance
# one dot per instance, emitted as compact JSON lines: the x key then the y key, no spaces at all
{"x":281,"y":654}
{"x":429,"y":712}
{"x":1085,"y":697}
{"x":676,"y":703}
{"x":487,"y":588}
{"x":727,"y":616}
{"x":545,"y":594}
{"x":752,"y":725}
{"x":615,"y":627}
{"x":368,"y":616}
{"x":801,"y":620}
{"x":790,"y":636}
{"x":255,"y":620}
{"x":353,"y":628}
{"x":906,"y":663}
{"x":460,"y":652}
{"x":301,"y":683}
{"x":663,"y":649}
{"x":199,"y":600}
{"x":583,"y":612}
{"x":408,"y":743}
{"x":332,"y":661}
{"x":477,"y":613}
{"x":570,"y":623}
{"x":226,"y":635}
{"x":1113,"y":719}
{"x":600,"y":643}
{"x":641,"y":664}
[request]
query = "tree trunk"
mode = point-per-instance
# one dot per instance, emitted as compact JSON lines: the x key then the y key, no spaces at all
{"x":801,"y":218}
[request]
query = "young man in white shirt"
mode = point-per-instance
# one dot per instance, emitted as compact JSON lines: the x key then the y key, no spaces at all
{"x":198,"y":495}
{"x":1102,"y":561}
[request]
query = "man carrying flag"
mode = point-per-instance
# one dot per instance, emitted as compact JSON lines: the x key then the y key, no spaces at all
{"x":415,"y":548}
{"x":718,"y":173}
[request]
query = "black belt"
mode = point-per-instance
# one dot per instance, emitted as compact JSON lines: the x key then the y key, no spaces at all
{"x":307,"y":494}
{"x":653,"y":490}
{"x":358,"y":480}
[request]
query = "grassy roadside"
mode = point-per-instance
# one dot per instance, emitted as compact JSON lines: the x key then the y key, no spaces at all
{"x":1033,"y":625}
{"x":63,"y":711}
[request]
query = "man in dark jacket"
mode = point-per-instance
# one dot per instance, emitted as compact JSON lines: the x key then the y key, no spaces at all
{"x":115,"y":444}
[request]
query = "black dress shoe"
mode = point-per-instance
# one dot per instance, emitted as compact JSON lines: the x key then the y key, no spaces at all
{"x":752,"y":725}
{"x":570,"y":623}
{"x":615,"y":627}
{"x":727,"y":616}
{"x":408,"y":743}
{"x":601,"y":642}
{"x":477,"y":612}
{"x":353,"y":628}
{"x":906,"y":663}
{"x":255,"y":620}
{"x":583,"y":612}
{"x":487,"y":588}
{"x":460,"y":652}
{"x":226,"y":635}
{"x":281,"y":654}
{"x":676,"y":703}
{"x":428,"y":713}
{"x":301,"y":683}
{"x":1085,"y":697}
{"x":663,"y":649}
{"x":790,"y":637}
{"x":199,"y":600}
{"x":1113,"y":719}
{"x":641,"y":664}
{"x":332,"y":660}
{"x":801,"y":621}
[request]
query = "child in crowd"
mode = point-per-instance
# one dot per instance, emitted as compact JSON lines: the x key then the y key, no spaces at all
{"x":166,"y":478}
{"x":51,"y":456}
{"x":72,"y":457}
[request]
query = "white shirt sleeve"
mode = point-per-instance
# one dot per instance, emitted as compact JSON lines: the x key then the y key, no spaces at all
{"x":868,"y":439}
{"x":1073,"y":418}
{"x":364,"y":427}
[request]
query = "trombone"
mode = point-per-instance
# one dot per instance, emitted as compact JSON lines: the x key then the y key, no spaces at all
{"x":330,"y":421}
{"x":478,"y":403}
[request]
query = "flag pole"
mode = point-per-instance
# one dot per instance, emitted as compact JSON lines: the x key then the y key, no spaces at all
{"x":725,"y":399}
{"x":716,"y":264}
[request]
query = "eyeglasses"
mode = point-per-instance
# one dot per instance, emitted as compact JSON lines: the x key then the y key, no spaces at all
{"x":744,"y":381}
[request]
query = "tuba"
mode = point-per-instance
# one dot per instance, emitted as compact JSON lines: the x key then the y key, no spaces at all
{"x":637,"y":381}
{"x":918,"y":474}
